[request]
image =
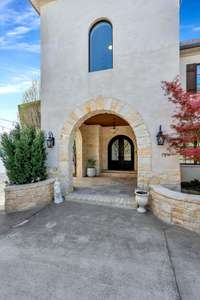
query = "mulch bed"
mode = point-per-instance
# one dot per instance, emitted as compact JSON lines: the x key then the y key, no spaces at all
{"x":192,"y":187}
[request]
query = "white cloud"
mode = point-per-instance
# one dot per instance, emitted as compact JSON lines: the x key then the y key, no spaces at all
{"x":196,"y":28}
{"x":18,"y":31}
{"x":190,"y":27}
{"x":19,"y":83}
{"x":9,"y":89}
{"x":14,"y":88}
{"x":28,"y":47}
{"x":16,"y":25}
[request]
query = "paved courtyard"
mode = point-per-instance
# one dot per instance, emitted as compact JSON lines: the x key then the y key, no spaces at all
{"x":80,"y":251}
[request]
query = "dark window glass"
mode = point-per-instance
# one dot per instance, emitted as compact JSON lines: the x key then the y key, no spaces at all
{"x":127,"y":151}
{"x":115,"y":150}
{"x":101,"y":47}
{"x":198,"y":78}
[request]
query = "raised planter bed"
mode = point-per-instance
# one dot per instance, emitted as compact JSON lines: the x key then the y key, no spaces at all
{"x":192,"y":187}
{"x":28,"y":196}
{"x":175,"y":207}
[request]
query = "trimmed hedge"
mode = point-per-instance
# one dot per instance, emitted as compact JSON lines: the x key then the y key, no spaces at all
{"x":24,"y":156}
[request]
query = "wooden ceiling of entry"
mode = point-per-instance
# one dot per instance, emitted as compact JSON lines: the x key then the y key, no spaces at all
{"x":106,"y":120}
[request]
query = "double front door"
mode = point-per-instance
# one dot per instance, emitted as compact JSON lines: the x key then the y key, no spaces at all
{"x":121,"y":154}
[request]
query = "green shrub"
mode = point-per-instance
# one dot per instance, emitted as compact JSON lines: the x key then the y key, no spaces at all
{"x":24,"y":155}
{"x":91,"y":163}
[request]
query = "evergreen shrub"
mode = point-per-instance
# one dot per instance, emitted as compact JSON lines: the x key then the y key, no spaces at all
{"x":23,"y":154}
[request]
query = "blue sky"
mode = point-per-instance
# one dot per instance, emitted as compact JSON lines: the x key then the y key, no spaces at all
{"x":20,"y":50}
{"x":19,"y":53}
{"x":190,"y":19}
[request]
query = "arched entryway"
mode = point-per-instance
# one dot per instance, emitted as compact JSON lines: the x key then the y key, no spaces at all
{"x":93,"y":141}
{"x":121,"y":154}
{"x":93,"y":108}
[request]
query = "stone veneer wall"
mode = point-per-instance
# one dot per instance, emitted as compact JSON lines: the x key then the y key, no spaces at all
{"x":164,"y":171}
{"x":91,"y":139}
{"x":93,"y":144}
{"x":176,"y":208}
{"x":28,"y":196}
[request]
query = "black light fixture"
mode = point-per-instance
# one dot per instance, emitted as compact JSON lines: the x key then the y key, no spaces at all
{"x":160,"y":137}
{"x":114,"y":127}
{"x":50,"y":140}
{"x":114,"y":124}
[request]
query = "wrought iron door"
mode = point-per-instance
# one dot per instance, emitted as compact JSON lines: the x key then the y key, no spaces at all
{"x":121,"y":153}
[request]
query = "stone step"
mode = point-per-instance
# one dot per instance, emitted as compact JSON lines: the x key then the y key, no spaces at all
{"x":118,"y":174}
{"x":126,"y":202}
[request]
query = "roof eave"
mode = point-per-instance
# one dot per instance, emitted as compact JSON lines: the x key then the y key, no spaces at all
{"x":37,"y":4}
{"x":190,"y":47}
{"x":190,"y":44}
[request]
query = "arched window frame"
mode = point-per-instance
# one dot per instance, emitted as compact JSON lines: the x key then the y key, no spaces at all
{"x":94,"y":24}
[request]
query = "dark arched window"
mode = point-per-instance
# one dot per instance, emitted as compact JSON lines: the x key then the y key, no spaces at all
{"x":101,"y":46}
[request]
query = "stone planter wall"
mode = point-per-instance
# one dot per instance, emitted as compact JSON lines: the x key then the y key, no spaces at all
{"x":28,"y":196}
{"x":176,"y":208}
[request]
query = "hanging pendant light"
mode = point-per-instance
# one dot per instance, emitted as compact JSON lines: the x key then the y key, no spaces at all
{"x":114,"y":127}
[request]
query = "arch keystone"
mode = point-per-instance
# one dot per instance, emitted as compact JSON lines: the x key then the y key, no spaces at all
{"x":100,"y":103}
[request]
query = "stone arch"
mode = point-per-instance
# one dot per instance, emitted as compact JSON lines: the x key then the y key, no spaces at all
{"x":79,"y":153}
{"x":93,"y":107}
{"x":98,"y":20}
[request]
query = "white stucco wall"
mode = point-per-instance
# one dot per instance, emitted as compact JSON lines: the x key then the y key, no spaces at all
{"x":191,"y":56}
{"x":146,"y":51}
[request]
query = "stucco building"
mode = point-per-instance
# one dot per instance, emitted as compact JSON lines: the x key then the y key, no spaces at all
{"x":102,"y":67}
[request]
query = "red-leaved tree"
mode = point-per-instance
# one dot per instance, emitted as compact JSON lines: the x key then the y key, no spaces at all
{"x":186,"y":121}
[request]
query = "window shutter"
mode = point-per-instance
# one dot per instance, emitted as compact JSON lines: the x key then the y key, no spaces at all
{"x":191,"y":78}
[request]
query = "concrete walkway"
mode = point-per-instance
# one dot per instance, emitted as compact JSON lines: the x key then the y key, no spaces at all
{"x":87,"y":252}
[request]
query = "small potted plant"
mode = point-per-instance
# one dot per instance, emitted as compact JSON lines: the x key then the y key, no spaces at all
{"x":142,"y":198}
{"x":91,"y":170}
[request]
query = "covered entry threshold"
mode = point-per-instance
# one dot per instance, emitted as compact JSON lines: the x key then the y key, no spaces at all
{"x":105,"y":190}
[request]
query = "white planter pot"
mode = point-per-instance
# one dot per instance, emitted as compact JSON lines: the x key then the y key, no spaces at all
{"x":189,"y":172}
{"x":91,"y":172}
{"x":142,"y":199}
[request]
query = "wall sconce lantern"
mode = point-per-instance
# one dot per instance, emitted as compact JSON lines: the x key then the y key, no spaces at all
{"x":160,"y":137}
{"x":50,"y":140}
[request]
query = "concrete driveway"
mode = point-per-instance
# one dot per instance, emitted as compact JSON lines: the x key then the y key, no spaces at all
{"x":87,"y":252}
